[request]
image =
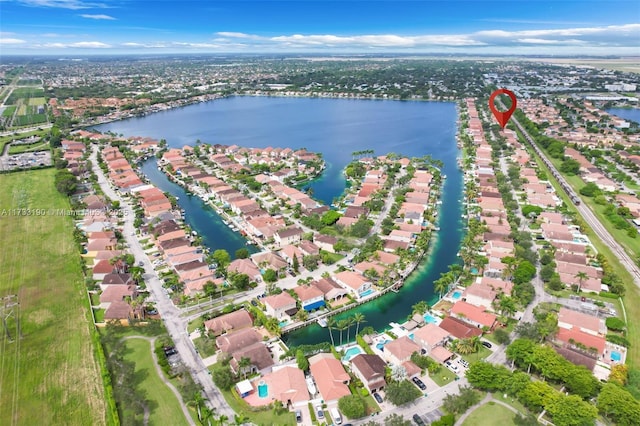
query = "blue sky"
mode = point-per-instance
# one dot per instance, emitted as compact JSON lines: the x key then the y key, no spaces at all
{"x":516,"y":27}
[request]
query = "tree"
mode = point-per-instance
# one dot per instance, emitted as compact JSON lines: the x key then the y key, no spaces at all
{"x":240,"y":281}
{"x":420,"y":308}
{"x":296,"y":264}
{"x":330,"y":217}
{"x":66,"y":183}
{"x":571,"y":410}
{"x":502,"y":336}
{"x":221,"y":257}
{"x":458,"y":404}
{"x":331,"y":324}
{"x":242,"y":253}
{"x":358,"y":318}
{"x":352,"y":406}
{"x":222,"y":377}
{"x":270,"y":276}
{"x":243,"y":365}
{"x":402,"y":392}
{"x":302,"y":361}
{"x":489,"y":377}
{"x":342,"y":326}
{"x":524,"y":272}
{"x":618,"y":404}
{"x":581,"y":276}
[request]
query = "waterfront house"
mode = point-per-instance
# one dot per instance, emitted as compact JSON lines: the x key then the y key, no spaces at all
{"x":330,"y":289}
{"x":310,"y":297}
{"x":229,"y":322}
{"x":480,"y":295}
{"x":247,"y":267}
{"x":330,"y":376}
{"x":353,"y":282}
{"x":458,"y":328}
{"x":400,"y":350}
{"x":269,"y":260}
{"x":370,"y":369}
{"x":280,"y":306}
{"x":431,"y":336}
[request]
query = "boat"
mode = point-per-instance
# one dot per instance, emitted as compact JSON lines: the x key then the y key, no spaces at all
{"x":322,"y":322}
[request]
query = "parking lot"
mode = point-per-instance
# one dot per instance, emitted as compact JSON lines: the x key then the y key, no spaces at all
{"x":25,"y":161}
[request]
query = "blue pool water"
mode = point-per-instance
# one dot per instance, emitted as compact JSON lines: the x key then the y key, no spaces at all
{"x":430,"y":319}
{"x":283,"y":323}
{"x":366,"y":292}
{"x":615,"y":356}
{"x":411,"y":336}
{"x":456,"y":295}
{"x":351,"y":352}
{"x":474,"y":271}
{"x":263,"y":390}
{"x":380,"y":345}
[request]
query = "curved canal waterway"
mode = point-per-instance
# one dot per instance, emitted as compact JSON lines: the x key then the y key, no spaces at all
{"x":335,"y":128}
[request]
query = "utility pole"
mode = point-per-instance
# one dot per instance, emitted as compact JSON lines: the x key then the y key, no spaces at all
{"x":10,"y":308}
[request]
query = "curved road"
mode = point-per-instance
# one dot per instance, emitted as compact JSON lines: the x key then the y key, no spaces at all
{"x":176,"y":326}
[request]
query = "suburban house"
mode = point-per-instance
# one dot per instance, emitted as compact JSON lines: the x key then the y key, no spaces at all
{"x":474,"y":315}
{"x":231,"y":342}
{"x":480,"y":295}
{"x":330,"y":376}
{"x":310,"y":297}
{"x":370,"y":369}
{"x":258,"y":355}
{"x":280,"y":306}
{"x":400,"y":350}
{"x":325,"y":242}
{"x":247,"y":267}
{"x":229,"y":322}
{"x":458,"y":328}
{"x":589,"y":324}
{"x":430,"y":336}
{"x":287,"y":385}
{"x":330,"y":289}
{"x":288,"y":236}
{"x":353,"y":282}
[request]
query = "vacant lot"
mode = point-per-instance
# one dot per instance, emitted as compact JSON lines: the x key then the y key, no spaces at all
{"x":50,"y":376}
{"x":490,"y":414}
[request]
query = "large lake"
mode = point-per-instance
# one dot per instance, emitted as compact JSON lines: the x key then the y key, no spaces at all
{"x":632,"y":114}
{"x":335,"y":128}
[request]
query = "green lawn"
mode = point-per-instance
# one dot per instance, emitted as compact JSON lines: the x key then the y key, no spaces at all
{"x":443,"y":376}
{"x":19,"y":149}
{"x":51,"y":375}
{"x":99,"y":314}
{"x":490,"y":414}
{"x":95,"y":299}
{"x":205,"y":346}
{"x":264,"y":417}
{"x":165,"y":408}
{"x":480,"y":355}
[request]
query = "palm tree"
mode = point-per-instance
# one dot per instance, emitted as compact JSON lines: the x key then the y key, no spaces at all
{"x":198,"y":402}
{"x":350,"y":322}
{"x":222,"y":419}
{"x":342,"y":326}
{"x":243,"y":364}
{"x":421,"y":307}
{"x":207,"y":415}
{"x":240,"y":419}
{"x":358,"y":318}
{"x":331,"y":324}
{"x":581,"y":276}
{"x":506,"y":306}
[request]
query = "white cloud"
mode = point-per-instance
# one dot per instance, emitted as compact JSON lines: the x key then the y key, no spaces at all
{"x":98,"y":17}
{"x":11,"y":41}
{"x":64,"y":4}
{"x":90,"y":45}
{"x":231,"y":34}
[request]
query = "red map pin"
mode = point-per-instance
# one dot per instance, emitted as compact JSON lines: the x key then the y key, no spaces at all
{"x":502,"y":117}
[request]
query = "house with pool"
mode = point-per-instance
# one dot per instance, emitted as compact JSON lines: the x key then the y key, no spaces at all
{"x":400,"y":350}
{"x":430,"y":337}
{"x":311,"y":297}
{"x":280,"y":306}
{"x":354,"y":282}
{"x":330,"y":377}
{"x":286,"y":383}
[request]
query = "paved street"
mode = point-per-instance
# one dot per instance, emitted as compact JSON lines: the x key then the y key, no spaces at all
{"x":176,"y":326}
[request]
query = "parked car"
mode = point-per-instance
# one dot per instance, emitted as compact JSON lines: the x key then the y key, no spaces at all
{"x":298,"y":416}
{"x":487,"y":344}
{"x":419,"y":383}
{"x":464,"y":363}
{"x":418,"y":420}
{"x":451,"y":366}
{"x":319,"y":412}
{"x":377,"y":397}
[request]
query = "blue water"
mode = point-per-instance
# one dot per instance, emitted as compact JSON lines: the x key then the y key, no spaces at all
{"x":366,"y":292}
{"x":456,"y":295}
{"x":380,"y":345}
{"x":616,"y":356}
{"x":430,"y":319}
{"x":263,"y":390}
{"x":199,"y":216}
{"x":632,"y":114}
{"x":335,"y":128}
{"x":351,"y":352}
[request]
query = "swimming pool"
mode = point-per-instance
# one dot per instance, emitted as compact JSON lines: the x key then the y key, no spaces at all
{"x":456,"y":295}
{"x":263,"y":389}
{"x":351,"y":352}
{"x":283,"y":323}
{"x":616,"y":356}
{"x":366,"y":292}
{"x":380,"y":345}
{"x":431,"y":319}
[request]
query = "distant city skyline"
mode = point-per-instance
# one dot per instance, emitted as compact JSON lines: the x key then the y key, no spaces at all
{"x":78,"y":27}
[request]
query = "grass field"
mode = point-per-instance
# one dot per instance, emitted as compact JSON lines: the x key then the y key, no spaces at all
{"x":490,"y":414}
{"x":9,"y":111}
{"x":50,"y":376}
{"x":164,"y":407}
{"x":19,"y":149}
{"x":37,"y":101}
